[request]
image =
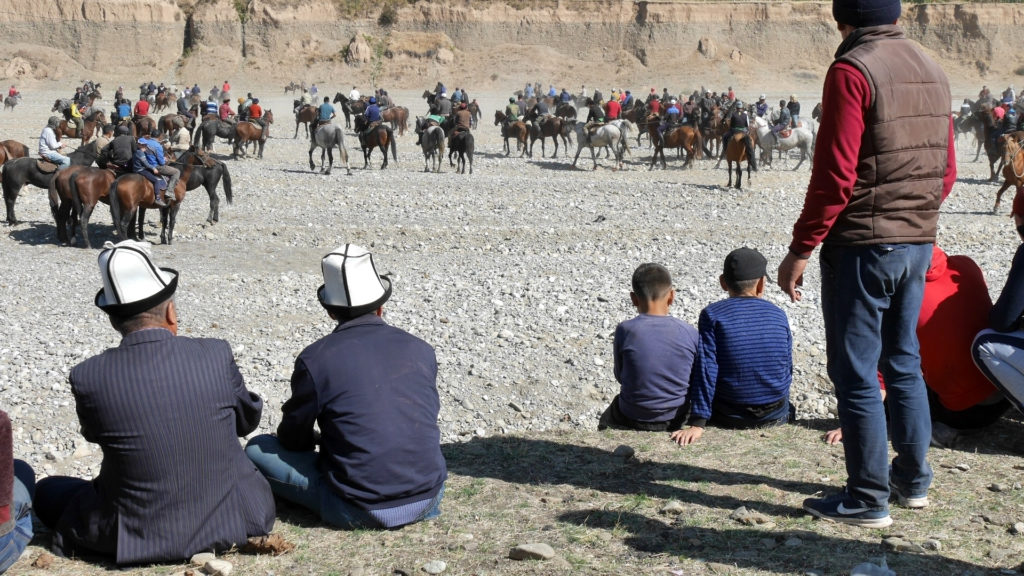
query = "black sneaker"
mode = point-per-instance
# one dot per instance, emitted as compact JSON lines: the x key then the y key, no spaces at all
{"x":847,"y":510}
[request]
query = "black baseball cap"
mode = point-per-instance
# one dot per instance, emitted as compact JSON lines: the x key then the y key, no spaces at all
{"x":744,"y":264}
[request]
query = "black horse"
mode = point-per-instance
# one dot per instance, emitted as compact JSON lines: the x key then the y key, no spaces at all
{"x":21,"y":171}
{"x":349,"y":107}
{"x":211,"y":129}
{"x":209,"y":177}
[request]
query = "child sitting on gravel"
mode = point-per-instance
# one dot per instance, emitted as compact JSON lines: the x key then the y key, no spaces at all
{"x":653,"y":356}
{"x":744,"y":363}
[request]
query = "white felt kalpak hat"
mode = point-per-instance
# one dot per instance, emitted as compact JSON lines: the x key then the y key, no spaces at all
{"x":351,"y":282}
{"x":131,"y":282}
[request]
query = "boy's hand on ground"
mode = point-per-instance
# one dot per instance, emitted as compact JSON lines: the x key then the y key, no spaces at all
{"x":834,"y":436}
{"x":790,"y":276}
{"x":687,"y":435}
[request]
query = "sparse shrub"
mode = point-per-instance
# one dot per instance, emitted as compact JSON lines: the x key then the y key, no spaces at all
{"x":388,"y":15}
{"x":1019,"y":71}
{"x":242,"y":8}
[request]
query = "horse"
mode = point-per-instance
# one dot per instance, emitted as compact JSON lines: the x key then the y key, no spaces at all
{"x":379,"y":137}
{"x":79,"y":188}
{"x":432,"y":142}
{"x":246,"y":132}
{"x":685,"y":137}
{"x":291,"y":87}
{"x":144,"y":125}
{"x":1013,"y":171}
{"x":713,"y":129}
{"x":607,"y":135}
{"x":90,"y":124}
{"x":131,"y":193}
{"x":637,"y":114}
{"x":210,"y":130}
{"x":474,"y":114}
{"x":398,"y":117}
{"x":208,"y":175}
{"x":736,"y":152}
{"x":799,"y":137}
{"x":11,"y":101}
{"x":21,"y":171}
{"x":327,"y":136}
{"x":816,"y":112}
{"x":349,"y":107}
{"x":565,"y":111}
{"x":11,"y":149}
{"x":169,"y":122}
{"x":553,"y":127}
{"x":62,"y":106}
{"x":304,"y":116}
{"x":462,"y":143}
{"x":515,"y":130}
{"x":160,"y":102}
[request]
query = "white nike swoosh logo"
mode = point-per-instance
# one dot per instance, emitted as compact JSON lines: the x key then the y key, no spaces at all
{"x":842,"y":509}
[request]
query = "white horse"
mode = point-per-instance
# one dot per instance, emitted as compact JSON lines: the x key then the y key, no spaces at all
{"x":607,"y":135}
{"x":327,"y":137}
{"x":432,"y":142}
{"x":800,"y":137}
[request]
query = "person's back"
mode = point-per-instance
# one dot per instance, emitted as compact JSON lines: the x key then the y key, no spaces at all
{"x":614,"y":109}
{"x":121,"y":150}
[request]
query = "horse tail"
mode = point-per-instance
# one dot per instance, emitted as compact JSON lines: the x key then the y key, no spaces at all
{"x":394,"y":145}
{"x":698,"y":143}
{"x":440,"y":145}
{"x":54,"y":198}
{"x":227,"y":182}
{"x":115,"y":210}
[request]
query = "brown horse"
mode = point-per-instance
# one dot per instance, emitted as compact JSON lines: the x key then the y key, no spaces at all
{"x":11,"y":149}
{"x":553,"y":127}
{"x":132,"y":193}
{"x":398,"y":117}
{"x":686,"y":138}
{"x":377,"y":137}
{"x":304,"y":116}
{"x":247,"y":132}
{"x":160,"y":102}
{"x":79,"y":189}
{"x":736,"y":152}
{"x":1012,"y":144}
{"x":90,"y":124}
{"x":168,"y":123}
{"x":515,"y":130}
{"x":713,"y":130}
{"x":144,"y":126}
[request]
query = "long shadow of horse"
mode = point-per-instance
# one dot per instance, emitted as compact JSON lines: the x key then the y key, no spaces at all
{"x":978,"y":181}
{"x":532,"y":461}
{"x":553,"y":165}
{"x":35,"y":234}
{"x":778,"y":551}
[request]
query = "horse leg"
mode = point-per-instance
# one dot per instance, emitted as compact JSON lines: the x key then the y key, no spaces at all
{"x":140,"y":233}
{"x":10,"y":195}
{"x":84,"y":222}
{"x":214,"y":214}
{"x":728,"y":168}
{"x":999,"y":195}
{"x":171,"y":219}
{"x":330,"y":156}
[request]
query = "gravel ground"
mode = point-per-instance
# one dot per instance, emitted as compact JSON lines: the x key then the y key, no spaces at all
{"x":517,"y":274}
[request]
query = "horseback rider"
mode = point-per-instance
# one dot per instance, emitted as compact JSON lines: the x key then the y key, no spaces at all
{"x":76,"y":117}
{"x":256,"y":113}
{"x":613,"y":110}
{"x":654,"y":105}
{"x":783,"y":122}
{"x":541,"y":112}
{"x":182,"y":107}
{"x":457,"y":96}
{"x":598,"y":97}
{"x":180,"y":140}
{"x":225,"y":113}
{"x":761,"y":107}
{"x":372,"y":115}
{"x":463,"y":121}
{"x":324,"y":114}
{"x":794,"y":110}
{"x":353,"y":94}
{"x":444,"y":105}
{"x":50,"y":147}
{"x":141,"y":109}
{"x":672,"y":114}
{"x":155,"y":156}
{"x":120,"y":151}
{"x":595,"y":116}
{"x":965,"y":108}
{"x":528,"y":92}
{"x":210,"y":107}
{"x":565,"y":97}
{"x":511,"y":111}
{"x":740,"y":124}
{"x":305,"y":100}
{"x":143,"y":167}
{"x":688,"y":112}
{"x":243,"y":110}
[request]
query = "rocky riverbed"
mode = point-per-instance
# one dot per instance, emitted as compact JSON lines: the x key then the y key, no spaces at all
{"x":516,"y":274}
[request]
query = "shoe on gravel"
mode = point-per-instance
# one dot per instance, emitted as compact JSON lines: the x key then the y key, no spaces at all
{"x":847,"y":510}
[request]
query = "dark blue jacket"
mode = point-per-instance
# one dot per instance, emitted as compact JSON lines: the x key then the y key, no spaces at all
{"x":372,"y":390}
{"x":167,"y":412}
{"x":372,"y":113}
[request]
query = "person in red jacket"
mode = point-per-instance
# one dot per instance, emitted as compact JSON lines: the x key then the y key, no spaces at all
{"x":612,"y":109}
{"x":141,"y":108}
{"x":955,"y":308}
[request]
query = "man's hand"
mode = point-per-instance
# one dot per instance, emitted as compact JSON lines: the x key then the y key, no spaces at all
{"x":791,"y":275}
{"x":687,"y":435}
{"x":834,"y":436}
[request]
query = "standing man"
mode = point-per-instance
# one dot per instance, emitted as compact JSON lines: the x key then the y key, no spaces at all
{"x":167,"y":411}
{"x":371,"y":388}
{"x":885,"y":107}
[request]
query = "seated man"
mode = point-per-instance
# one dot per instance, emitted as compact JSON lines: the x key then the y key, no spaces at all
{"x":121,"y":150}
{"x":784,"y":120}
{"x":653,"y":355}
{"x":144,"y":166}
{"x":595,"y":116}
{"x":50,"y":146}
{"x":167,"y":412}
{"x":999,"y":348}
{"x":372,"y":390}
{"x":324,"y":114}
{"x":225,"y":113}
{"x":463,"y":122}
{"x":744,"y":363}
{"x":17,"y":485}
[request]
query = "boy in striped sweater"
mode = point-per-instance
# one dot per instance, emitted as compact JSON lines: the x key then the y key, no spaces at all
{"x":744,"y":363}
{"x":653,"y":358}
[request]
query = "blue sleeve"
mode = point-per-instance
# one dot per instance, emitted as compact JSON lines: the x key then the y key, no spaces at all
{"x":300,"y":411}
{"x":1006,"y":312}
{"x":705,"y":372}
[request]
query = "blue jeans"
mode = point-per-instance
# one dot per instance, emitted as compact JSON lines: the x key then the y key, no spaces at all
{"x":59,"y":159}
{"x":14,"y":543}
{"x":1000,"y":357}
{"x":871,"y":298}
{"x":296,"y":477}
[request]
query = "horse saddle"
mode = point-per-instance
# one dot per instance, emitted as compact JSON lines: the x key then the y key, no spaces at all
{"x":786,"y":133}
{"x":46,"y":167}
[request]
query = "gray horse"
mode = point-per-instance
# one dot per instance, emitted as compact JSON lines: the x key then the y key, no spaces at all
{"x":327,"y":136}
{"x":800,"y":137}
{"x":432,"y":142}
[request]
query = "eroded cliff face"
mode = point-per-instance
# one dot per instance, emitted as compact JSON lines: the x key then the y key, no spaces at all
{"x":482,"y":44}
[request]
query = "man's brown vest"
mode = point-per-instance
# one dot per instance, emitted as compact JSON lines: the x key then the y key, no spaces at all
{"x":905,"y":143}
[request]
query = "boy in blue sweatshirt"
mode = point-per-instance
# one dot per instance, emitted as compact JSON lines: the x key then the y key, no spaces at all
{"x":744,"y":363}
{"x":653,"y":356}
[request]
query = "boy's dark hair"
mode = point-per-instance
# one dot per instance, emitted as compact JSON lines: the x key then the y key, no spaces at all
{"x":742,"y":286}
{"x":651,"y":281}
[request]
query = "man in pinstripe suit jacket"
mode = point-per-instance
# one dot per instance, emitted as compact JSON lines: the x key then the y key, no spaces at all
{"x":167,"y":412}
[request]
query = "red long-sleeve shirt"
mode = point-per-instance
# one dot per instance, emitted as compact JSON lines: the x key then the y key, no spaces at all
{"x":847,"y":98}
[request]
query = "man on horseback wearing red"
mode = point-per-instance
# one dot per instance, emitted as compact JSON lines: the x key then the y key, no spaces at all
{"x":256,"y":113}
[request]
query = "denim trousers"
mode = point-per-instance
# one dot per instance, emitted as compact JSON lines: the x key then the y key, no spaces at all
{"x":1000,"y":357}
{"x":297,"y":478}
{"x":871,"y":299}
{"x":14,"y":543}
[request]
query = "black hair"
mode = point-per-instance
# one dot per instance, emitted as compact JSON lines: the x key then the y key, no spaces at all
{"x":742,"y":286}
{"x":127,"y":324}
{"x":651,"y":281}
